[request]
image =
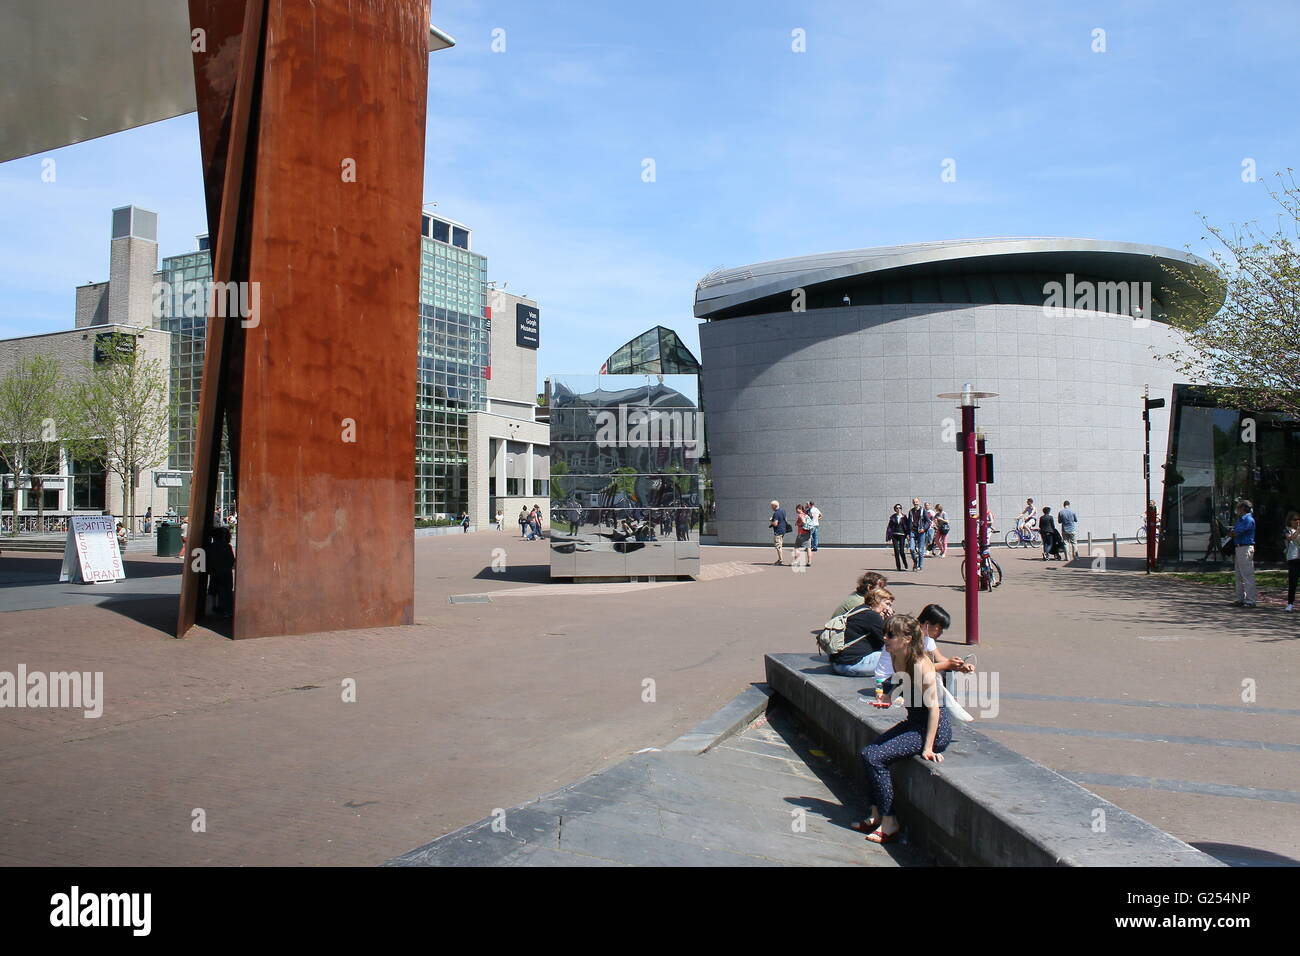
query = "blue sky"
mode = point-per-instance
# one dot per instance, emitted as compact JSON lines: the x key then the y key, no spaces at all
{"x":760,"y":152}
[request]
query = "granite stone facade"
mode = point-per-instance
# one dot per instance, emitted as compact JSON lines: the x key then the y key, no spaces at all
{"x":838,"y":405}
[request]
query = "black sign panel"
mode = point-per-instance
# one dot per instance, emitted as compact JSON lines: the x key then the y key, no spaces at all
{"x":527,"y":327}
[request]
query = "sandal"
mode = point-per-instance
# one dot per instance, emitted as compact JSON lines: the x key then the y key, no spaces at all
{"x":880,"y":836}
{"x":864,"y":826}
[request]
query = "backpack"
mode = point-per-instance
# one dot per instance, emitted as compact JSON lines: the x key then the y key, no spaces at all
{"x":831,"y":639}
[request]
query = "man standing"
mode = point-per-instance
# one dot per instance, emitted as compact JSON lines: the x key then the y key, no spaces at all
{"x":918,"y":527}
{"x":814,"y":522}
{"x":1243,"y":537}
{"x":1068,"y":521}
{"x":780,"y":528}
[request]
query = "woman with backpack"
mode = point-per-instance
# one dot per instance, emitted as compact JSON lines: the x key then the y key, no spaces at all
{"x":802,"y":537}
{"x":941,"y":529}
{"x":864,"y":636}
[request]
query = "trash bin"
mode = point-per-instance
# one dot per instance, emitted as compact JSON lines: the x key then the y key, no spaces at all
{"x":169,"y":540}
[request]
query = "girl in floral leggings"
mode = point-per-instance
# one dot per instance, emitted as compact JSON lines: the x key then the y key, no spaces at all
{"x":926,"y":730}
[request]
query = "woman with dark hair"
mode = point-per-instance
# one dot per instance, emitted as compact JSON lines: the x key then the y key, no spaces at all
{"x":934,"y":620}
{"x":925,"y":731}
{"x":896,"y":534}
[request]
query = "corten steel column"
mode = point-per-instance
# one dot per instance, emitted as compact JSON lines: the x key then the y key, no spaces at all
{"x":312,"y":125}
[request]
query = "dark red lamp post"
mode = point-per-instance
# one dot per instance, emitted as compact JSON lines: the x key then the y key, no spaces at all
{"x":971,"y":516}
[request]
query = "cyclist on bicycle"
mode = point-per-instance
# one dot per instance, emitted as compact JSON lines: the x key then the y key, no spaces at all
{"x":1027,"y":520}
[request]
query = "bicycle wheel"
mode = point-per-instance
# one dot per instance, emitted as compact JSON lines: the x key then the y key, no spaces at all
{"x":995,"y":573}
{"x":1142,"y":534}
{"x":1014,"y":540}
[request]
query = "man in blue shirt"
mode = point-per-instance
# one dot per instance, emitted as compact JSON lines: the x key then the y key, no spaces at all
{"x":779,"y":529}
{"x":1067,"y":522}
{"x":1243,"y":538}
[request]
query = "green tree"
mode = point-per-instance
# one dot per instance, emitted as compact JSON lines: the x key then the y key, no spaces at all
{"x":118,"y":415}
{"x":1248,"y":351}
{"x":29,"y":426}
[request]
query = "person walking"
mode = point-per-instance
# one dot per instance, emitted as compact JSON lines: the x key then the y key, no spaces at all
{"x":1067,"y":524}
{"x":500,"y":519}
{"x":896,"y":534}
{"x":780,"y":528}
{"x":524,"y":529}
{"x":148,"y":519}
{"x":929,"y":535}
{"x":1243,"y":539}
{"x":918,"y":526}
{"x":536,"y":521}
{"x":1047,"y":528}
{"x":1292,"y":541}
{"x":464,"y":522}
{"x":802,"y":538}
{"x":814,"y":521}
{"x":941,"y":529}
{"x":925,"y":731}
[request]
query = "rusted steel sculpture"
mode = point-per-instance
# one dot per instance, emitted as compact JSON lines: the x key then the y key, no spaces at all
{"x":311,"y":117}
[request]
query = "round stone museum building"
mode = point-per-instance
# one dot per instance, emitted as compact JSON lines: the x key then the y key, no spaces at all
{"x":820,"y":375}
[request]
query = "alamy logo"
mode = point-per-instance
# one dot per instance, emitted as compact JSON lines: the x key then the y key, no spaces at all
{"x":650,"y":428}
{"x":75,"y":908}
{"x":56,"y":689}
{"x":1119,"y":298}
{"x":228,"y":300}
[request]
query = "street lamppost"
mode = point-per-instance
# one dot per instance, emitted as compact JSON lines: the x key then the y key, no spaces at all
{"x":970,"y":504}
{"x":1150,"y":506}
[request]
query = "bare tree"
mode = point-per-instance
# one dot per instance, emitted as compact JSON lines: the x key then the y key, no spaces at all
{"x":119,"y":415}
{"x":29,"y":425}
{"x":1248,"y":351}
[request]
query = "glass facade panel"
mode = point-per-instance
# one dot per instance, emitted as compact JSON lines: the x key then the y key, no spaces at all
{"x":1218,"y":455}
{"x":451,"y":368}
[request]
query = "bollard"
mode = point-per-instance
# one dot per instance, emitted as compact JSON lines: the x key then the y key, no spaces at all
{"x":1090,"y":544}
{"x":1114,"y":542}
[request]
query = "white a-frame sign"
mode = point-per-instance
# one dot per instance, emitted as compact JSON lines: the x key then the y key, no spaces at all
{"x":91,"y":554}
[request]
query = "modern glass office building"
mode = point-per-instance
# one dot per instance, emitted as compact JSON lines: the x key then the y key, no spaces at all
{"x":185,"y":316}
{"x":454,"y":363}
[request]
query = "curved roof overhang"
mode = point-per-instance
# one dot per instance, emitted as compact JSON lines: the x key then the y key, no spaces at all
{"x":728,"y":293}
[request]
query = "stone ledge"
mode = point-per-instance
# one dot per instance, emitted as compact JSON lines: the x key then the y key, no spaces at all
{"x":985,"y":805}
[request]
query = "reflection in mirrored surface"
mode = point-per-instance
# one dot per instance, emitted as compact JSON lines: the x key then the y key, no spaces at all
{"x":625,"y":476}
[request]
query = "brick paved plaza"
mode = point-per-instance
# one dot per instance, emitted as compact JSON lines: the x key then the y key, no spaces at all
{"x":1128,"y":684}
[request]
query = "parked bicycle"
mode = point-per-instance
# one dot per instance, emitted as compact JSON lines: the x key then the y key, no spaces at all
{"x":990,"y":572}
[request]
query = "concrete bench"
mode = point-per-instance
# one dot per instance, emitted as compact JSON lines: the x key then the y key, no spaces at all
{"x":985,"y":805}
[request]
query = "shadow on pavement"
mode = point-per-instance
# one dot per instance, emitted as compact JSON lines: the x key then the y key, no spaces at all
{"x":1158,"y":600}
{"x":517,"y":574}
{"x":1235,"y":855}
{"x":49,"y":568}
{"x":852,"y":805}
